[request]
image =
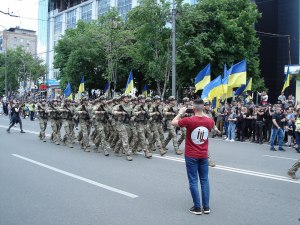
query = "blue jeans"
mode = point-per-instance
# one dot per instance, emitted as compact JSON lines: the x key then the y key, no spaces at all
{"x":226,"y":128}
{"x":194,"y":168}
{"x":231,"y":131}
{"x":297,"y":134}
{"x":276,"y":132}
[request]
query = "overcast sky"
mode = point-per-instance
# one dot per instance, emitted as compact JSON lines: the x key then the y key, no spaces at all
{"x":22,"y":8}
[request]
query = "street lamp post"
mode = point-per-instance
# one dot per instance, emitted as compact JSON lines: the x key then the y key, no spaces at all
{"x":6,"y":88}
{"x":174,"y":49}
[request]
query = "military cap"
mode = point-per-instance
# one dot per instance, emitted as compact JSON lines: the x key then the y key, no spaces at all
{"x":124,"y":96}
{"x":185,"y":99}
{"x":156,"y":97}
{"x":141,"y":97}
{"x":148,"y":99}
{"x":172,"y":98}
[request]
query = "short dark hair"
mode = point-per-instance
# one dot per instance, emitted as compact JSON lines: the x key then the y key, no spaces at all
{"x":198,"y":102}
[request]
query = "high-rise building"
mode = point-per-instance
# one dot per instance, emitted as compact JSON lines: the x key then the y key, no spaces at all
{"x":278,"y":30}
{"x":14,"y":37}
{"x":58,"y":15}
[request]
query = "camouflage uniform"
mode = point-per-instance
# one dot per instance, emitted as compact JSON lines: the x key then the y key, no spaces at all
{"x":170,"y":112}
{"x":121,"y":131}
{"x":100,"y":121}
{"x":292,"y":171}
{"x":55,"y":118}
{"x":67,"y":116}
{"x":183,"y":129}
{"x":140,"y":114}
{"x":84,"y":121}
{"x":155,"y":125}
{"x":43,"y":119}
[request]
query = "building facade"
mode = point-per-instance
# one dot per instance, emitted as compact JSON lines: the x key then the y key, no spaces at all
{"x":64,"y":14}
{"x":15,"y":37}
{"x":278,"y":30}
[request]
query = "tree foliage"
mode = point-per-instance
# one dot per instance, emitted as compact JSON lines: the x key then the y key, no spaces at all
{"x":212,"y":31}
{"x":22,"y":67}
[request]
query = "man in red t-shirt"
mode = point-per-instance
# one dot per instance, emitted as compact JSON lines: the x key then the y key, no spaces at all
{"x":196,"y":153}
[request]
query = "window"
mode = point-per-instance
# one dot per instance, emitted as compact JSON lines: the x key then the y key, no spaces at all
{"x":86,"y":12}
{"x":58,"y":25}
{"x":21,"y":40}
{"x":71,"y":19}
{"x":103,"y":7}
{"x":123,"y":7}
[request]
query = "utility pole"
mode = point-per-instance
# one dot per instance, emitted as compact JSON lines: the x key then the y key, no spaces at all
{"x":174,"y":49}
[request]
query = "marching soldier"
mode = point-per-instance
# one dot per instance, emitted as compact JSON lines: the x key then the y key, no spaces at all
{"x":155,"y":124}
{"x":141,"y":117}
{"x":101,"y":118}
{"x":84,"y":121}
{"x":170,"y":112}
{"x":43,"y":119}
{"x":186,"y":102}
{"x":121,"y":117}
{"x":67,"y":116}
{"x":55,"y":117}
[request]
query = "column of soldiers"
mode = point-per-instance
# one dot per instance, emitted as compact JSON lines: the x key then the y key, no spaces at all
{"x":125,"y":125}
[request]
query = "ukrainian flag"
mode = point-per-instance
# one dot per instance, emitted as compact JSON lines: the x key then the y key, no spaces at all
{"x":209,"y":91}
{"x":238,"y":74}
{"x":217,"y":90}
{"x":203,"y":78}
{"x":81,"y":86}
{"x":68,"y":91}
{"x":244,"y":87}
{"x":145,"y":90}
{"x":227,"y":91}
{"x":106,"y":89}
{"x":129,"y":85}
{"x":286,"y":80}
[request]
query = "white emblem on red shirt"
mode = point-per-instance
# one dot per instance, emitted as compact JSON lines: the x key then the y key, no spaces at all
{"x":199,"y":135}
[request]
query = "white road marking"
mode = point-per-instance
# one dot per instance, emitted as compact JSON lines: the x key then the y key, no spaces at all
{"x":272,"y":156}
{"x":109,"y":188}
{"x":235,"y":170}
{"x":219,"y":167}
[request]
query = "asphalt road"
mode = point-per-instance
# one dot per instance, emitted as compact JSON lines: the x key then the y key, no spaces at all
{"x":45,"y":184}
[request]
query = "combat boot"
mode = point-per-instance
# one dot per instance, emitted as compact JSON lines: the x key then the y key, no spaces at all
{"x":106,"y":153}
{"x":129,"y":158}
{"x":163,"y":152}
{"x":178,"y":152}
{"x":211,"y":163}
{"x":148,"y":155}
{"x":292,"y":175}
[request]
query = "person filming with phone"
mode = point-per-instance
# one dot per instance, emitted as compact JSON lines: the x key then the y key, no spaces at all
{"x":196,"y":153}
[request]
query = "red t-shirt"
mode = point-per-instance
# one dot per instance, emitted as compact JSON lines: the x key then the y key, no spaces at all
{"x":197,"y":130}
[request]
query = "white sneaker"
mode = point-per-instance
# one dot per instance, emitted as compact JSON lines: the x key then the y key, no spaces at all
{"x":231,"y":140}
{"x":227,"y":139}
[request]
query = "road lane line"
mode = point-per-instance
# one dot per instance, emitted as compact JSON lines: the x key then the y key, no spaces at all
{"x":236,"y":170}
{"x":109,"y":188}
{"x":272,"y":156}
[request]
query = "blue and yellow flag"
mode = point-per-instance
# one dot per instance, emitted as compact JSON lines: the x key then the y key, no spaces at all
{"x":286,"y":80}
{"x":68,"y":91}
{"x":227,"y":91}
{"x":106,"y":88}
{"x":217,"y":90}
{"x":145,"y":90}
{"x":129,"y":85}
{"x":207,"y":91}
{"x":81,"y":86}
{"x":244,"y":87}
{"x":238,"y":74}
{"x":203,"y":78}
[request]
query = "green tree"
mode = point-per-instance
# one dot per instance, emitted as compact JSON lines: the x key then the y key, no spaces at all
{"x":151,"y":52}
{"x":217,"y":32}
{"x":22,"y":67}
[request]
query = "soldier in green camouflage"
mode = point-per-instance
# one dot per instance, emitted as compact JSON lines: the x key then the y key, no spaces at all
{"x":141,"y":115}
{"x":170,"y":111}
{"x":68,"y":124}
{"x":43,"y":119}
{"x":55,"y":118}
